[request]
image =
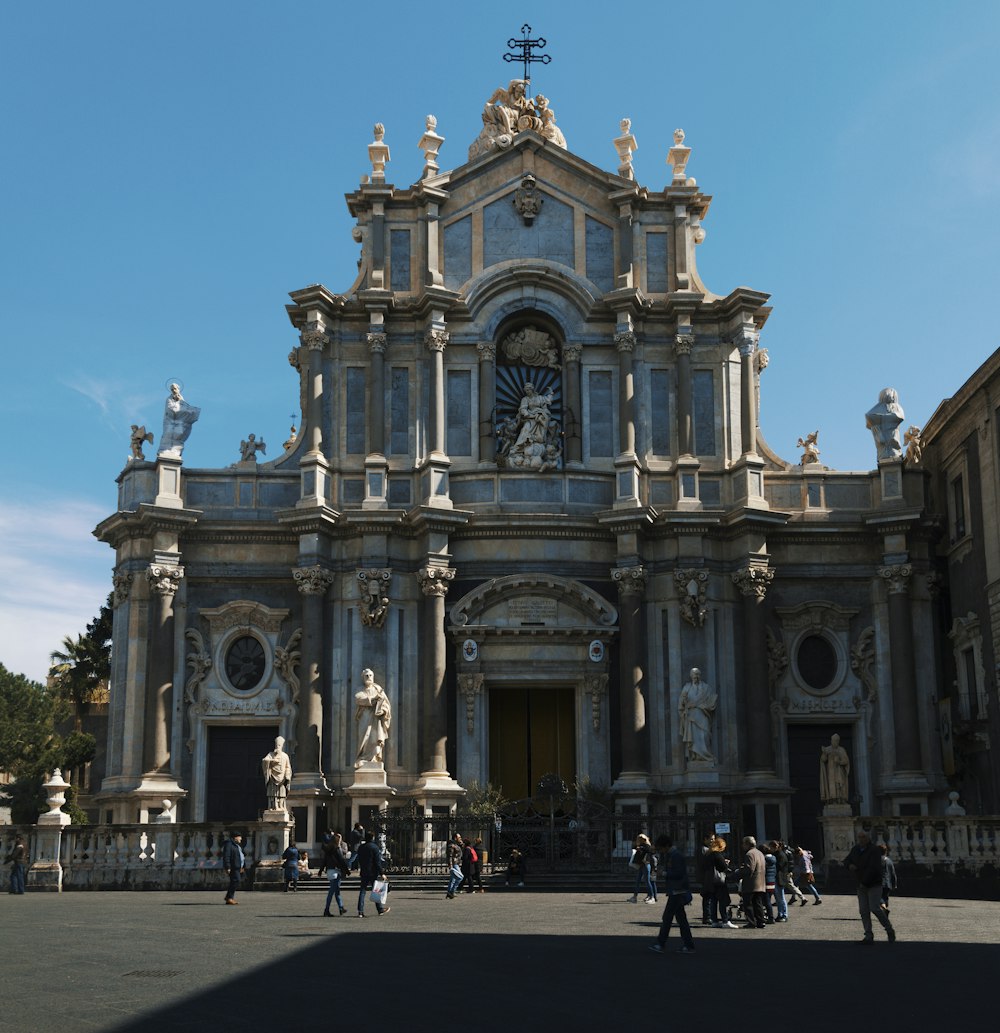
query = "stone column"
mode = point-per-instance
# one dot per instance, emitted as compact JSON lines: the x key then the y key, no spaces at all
{"x":631,"y":583}
{"x":573,"y":412}
{"x":683,"y":344}
{"x":312,"y":582}
{"x":437,"y":340}
{"x":315,"y":340}
{"x":487,"y":400}
{"x":625,"y":345}
{"x":376,"y":409}
{"x":905,"y":721}
{"x":753,"y":583}
{"x":434,"y":583}
{"x":746,"y":341}
{"x":163,"y":581}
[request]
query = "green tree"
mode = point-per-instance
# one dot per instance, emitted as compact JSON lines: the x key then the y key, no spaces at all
{"x":81,"y":669}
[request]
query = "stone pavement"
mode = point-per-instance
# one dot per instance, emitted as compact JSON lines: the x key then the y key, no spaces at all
{"x":502,"y":960}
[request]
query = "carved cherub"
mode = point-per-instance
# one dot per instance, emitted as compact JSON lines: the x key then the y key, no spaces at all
{"x":914,"y":446}
{"x":139,"y":436}
{"x":250,"y":448}
{"x":811,"y":453}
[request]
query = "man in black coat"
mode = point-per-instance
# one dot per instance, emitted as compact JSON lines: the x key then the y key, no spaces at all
{"x":865,"y":860}
{"x":369,"y":864}
{"x":233,"y":862}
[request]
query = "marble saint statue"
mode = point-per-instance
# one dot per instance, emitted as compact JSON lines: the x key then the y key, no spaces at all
{"x":697,"y":708}
{"x":179,"y":417}
{"x":373,"y":714}
{"x":277,"y":770}
{"x":883,"y":421}
{"x":834,"y":767}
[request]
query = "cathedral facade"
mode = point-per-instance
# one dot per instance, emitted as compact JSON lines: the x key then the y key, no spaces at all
{"x":529,"y":493}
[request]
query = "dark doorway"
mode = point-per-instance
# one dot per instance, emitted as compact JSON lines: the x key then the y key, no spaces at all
{"x":235,"y":785}
{"x":532,"y":733}
{"x":804,"y":745}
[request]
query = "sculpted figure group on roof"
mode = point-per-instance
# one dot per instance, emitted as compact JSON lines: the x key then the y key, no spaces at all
{"x":511,"y":111}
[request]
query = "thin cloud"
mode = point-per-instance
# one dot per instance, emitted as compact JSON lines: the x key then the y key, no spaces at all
{"x":54,"y":577}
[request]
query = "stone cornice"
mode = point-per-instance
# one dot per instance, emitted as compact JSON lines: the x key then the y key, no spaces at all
{"x":315,"y":519}
{"x":144,"y":522}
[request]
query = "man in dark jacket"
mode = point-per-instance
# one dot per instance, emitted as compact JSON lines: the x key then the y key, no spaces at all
{"x":369,"y":864}
{"x":675,"y":882}
{"x":752,"y":884}
{"x":233,"y":862}
{"x":16,"y":858}
{"x":865,"y":861}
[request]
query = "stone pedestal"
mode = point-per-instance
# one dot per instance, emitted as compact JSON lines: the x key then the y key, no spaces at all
{"x":273,"y":836}
{"x":46,"y":872}
{"x":837,"y":823}
{"x":308,"y":792}
{"x":702,"y":773}
{"x":369,"y":789}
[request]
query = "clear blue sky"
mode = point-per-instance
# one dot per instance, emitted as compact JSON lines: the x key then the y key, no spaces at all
{"x":168,"y":172}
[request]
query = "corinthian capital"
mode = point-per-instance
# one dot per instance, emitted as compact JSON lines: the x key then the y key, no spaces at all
{"x":753,"y":581}
{"x":377,"y":343}
{"x":746,"y":340}
{"x":572,"y":352}
{"x":436,"y":340}
{"x":314,"y":580}
{"x":683,"y":343}
{"x":164,"y":580}
{"x":487,"y":351}
{"x":897,"y":576}
{"x":625,"y":341}
{"x":434,"y":581}
{"x":313,"y":336}
{"x":630,"y":580}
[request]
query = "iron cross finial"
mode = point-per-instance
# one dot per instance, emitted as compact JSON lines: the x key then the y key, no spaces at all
{"x":525,"y":46}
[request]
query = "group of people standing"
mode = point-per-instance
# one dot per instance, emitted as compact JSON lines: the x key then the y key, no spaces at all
{"x":465,"y":866}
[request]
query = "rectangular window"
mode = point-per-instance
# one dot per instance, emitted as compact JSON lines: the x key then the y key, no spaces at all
{"x":703,"y":384}
{"x":601,"y":417}
{"x":659,"y":384}
{"x":355,"y":411}
{"x":459,"y":418}
{"x":399,"y":412}
{"x":957,"y":509}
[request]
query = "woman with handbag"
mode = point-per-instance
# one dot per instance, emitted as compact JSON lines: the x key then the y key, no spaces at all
{"x":644,"y":861}
{"x":807,"y":878}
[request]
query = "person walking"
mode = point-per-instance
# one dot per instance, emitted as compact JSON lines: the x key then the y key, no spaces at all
{"x":370,"y":866}
{"x":807,"y":877}
{"x":719,"y":873}
{"x":477,"y":865}
{"x":469,"y":858}
{"x":786,"y":862}
{"x":706,"y":877}
{"x":233,"y":862}
{"x":291,"y":867}
{"x":16,"y":859}
{"x":752,"y":884}
{"x":355,"y":838}
{"x":675,"y":883}
{"x":865,"y":861}
{"x":643,"y":857}
{"x":771,"y":887}
{"x":889,"y":883}
{"x":455,"y":876}
{"x":337,"y":868}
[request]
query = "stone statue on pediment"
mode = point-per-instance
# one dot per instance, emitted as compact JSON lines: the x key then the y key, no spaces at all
{"x":511,"y":111}
{"x":179,"y":416}
{"x":139,"y":437}
{"x":250,"y":447}
{"x":883,"y":420}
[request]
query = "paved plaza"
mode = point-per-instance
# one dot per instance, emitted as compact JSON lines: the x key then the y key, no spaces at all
{"x":509,"y":960}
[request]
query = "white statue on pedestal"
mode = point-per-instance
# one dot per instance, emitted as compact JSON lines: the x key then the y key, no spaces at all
{"x":697,"y":708}
{"x":373,"y":713}
{"x":834,"y":768}
{"x":277,"y":769}
{"x":179,"y":417}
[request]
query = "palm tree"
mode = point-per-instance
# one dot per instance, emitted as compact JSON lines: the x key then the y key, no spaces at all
{"x":81,"y":669}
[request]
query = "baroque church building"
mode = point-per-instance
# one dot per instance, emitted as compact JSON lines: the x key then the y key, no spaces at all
{"x":529,"y":492}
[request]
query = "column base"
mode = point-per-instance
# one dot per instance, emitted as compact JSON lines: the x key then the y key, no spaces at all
{"x":632,"y":782}
{"x":436,"y":784}
{"x":748,"y":482}
{"x":376,"y":483}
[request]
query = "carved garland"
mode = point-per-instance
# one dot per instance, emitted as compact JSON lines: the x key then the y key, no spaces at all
{"x":122,"y":586}
{"x":373,"y":585}
{"x":692,"y":587}
{"x":471,"y":685}
{"x":597,"y":686}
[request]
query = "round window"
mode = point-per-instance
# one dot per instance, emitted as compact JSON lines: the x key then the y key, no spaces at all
{"x":245,"y":663}
{"x":817,"y":661}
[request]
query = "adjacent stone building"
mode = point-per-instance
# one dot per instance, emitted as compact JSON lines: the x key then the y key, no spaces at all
{"x":529,"y":491}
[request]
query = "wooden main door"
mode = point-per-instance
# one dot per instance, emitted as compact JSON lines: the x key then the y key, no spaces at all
{"x":235,"y":784}
{"x":532,"y":733}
